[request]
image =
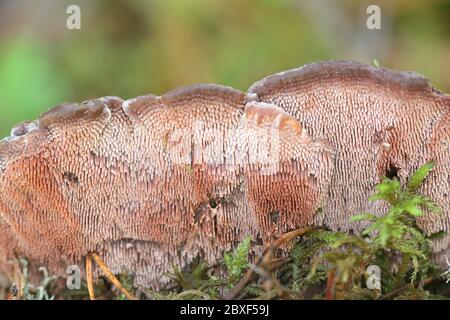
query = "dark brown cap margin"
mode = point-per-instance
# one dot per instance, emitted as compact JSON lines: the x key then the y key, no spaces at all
{"x":342,"y":71}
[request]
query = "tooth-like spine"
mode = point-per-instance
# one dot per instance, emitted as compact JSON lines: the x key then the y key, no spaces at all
{"x":193,"y":172}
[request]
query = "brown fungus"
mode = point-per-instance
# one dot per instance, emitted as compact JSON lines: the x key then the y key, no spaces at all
{"x":152,"y":182}
{"x":380,"y":122}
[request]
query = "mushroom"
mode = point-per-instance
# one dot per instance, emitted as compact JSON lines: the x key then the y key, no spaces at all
{"x":150,"y":183}
{"x":380,"y":122}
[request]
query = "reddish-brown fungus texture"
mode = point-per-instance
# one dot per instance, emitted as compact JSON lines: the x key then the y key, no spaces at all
{"x":153,"y":182}
{"x":380,"y":123}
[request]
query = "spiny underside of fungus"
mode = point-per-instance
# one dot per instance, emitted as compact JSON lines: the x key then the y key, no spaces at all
{"x":153,"y":182}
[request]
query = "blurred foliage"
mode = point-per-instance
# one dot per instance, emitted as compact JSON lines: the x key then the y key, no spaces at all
{"x":129,"y":48}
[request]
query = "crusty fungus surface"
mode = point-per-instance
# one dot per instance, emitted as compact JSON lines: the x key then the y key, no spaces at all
{"x":152,"y":182}
{"x":380,"y":122}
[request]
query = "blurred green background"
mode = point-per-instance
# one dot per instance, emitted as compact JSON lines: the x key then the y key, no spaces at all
{"x":134,"y":47}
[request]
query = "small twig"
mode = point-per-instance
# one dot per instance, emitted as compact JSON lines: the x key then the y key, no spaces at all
{"x":264,"y":257}
{"x":111,"y":276}
{"x":405,"y":287}
{"x":395,"y":292}
{"x":273,"y":283}
{"x":276,"y":264}
{"x":331,"y":285}
{"x":89,"y":277}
